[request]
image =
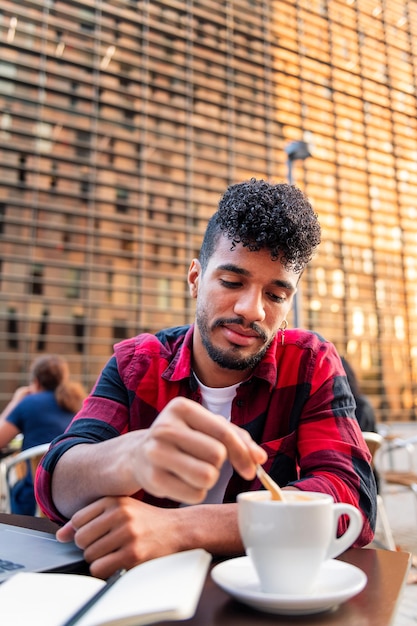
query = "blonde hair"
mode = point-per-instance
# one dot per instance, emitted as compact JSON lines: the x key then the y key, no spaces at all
{"x":70,"y":395}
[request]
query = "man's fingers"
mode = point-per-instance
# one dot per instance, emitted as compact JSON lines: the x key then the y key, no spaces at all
{"x":187,"y":439}
{"x":184,"y":471}
{"x":244,"y":460}
{"x":66,"y":533}
{"x":204,"y":437}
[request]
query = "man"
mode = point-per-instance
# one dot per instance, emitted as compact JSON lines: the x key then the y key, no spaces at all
{"x":156,"y":425}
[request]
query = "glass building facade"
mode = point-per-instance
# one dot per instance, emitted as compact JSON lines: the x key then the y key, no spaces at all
{"x":123,"y":122}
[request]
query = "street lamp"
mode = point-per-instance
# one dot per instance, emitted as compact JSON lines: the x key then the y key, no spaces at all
{"x":296,"y":151}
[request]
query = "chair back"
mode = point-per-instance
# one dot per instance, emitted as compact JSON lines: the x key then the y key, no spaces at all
{"x":15,"y":467}
{"x":374,"y":442}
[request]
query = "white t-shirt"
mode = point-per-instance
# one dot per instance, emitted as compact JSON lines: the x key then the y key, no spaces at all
{"x":219,"y":400}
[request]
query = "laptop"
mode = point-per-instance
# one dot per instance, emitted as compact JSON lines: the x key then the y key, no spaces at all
{"x":23,"y":549}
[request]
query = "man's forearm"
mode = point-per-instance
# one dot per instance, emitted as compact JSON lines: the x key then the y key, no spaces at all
{"x":87,"y":472}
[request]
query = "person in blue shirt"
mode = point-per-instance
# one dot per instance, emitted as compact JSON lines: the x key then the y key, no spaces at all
{"x":40,"y":412}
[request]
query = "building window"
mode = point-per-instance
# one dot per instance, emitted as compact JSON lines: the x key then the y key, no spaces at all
{"x":124,"y":82}
{"x":12,"y":329}
{"x":36,"y":283}
{"x":120,"y":330}
{"x":129,"y":118}
{"x":74,"y":287}
{"x":54,"y":177}
{"x":87,"y":27}
{"x":109,"y":285}
{"x":22,"y":169}
{"x":122,"y":200}
{"x":43,"y":331}
{"x":83,"y":140}
{"x":164,"y":291}
{"x":111,"y":150}
{"x":126,"y":240}
{"x":79,"y":332}
{"x":2,"y":216}
{"x":84,"y":189}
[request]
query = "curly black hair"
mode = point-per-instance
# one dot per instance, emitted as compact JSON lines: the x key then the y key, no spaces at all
{"x":260,"y":215}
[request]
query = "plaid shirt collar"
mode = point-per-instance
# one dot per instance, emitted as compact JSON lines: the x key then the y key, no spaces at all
{"x":181,"y":367}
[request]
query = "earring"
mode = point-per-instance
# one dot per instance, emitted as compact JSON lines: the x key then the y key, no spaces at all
{"x":283,"y":328}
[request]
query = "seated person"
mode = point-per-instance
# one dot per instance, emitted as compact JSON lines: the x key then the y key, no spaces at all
{"x":182,"y":417}
{"x":364,"y":411}
{"x":40,"y":411}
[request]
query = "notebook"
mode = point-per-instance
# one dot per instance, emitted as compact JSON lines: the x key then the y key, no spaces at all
{"x":25,"y":550}
{"x":165,"y":588}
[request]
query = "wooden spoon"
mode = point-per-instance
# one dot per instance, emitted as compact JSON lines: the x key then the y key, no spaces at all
{"x":268,"y":483}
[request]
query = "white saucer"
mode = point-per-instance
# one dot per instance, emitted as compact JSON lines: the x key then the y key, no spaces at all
{"x":336,"y":583}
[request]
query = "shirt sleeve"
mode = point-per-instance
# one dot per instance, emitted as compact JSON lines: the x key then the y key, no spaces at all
{"x":104,"y":415}
{"x":333,"y":456}
{"x":15,"y":416}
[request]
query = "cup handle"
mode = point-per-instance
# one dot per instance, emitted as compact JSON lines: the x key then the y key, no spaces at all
{"x":342,"y":543}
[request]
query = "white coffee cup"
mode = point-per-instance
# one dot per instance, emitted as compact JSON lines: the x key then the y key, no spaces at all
{"x":288,"y":541}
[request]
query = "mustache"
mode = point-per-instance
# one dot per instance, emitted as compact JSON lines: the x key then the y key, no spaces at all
{"x":240,"y":322}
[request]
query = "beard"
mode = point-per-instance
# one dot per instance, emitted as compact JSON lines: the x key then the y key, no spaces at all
{"x":230,"y":358}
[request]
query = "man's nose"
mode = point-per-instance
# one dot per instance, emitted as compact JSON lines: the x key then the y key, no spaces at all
{"x":250,"y":306}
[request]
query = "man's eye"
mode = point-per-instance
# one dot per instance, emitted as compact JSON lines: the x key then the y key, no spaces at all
{"x":230,"y":284}
{"x":276,"y":298}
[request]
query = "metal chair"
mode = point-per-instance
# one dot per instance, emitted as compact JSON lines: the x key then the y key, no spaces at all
{"x":375,"y":441}
{"x":14,"y":468}
{"x":398,"y":465}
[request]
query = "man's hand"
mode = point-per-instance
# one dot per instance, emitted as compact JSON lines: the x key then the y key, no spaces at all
{"x":17,"y":397}
{"x":121,"y":532}
{"x":22,"y":392}
{"x":183,"y":451}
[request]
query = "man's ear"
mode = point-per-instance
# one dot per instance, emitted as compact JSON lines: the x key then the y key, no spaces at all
{"x":194,"y":272}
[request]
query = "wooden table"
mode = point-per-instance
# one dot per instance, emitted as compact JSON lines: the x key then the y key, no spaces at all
{"x":375,"y":606}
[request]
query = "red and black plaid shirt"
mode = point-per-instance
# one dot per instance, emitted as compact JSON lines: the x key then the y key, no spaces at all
{"x":297,"y":405}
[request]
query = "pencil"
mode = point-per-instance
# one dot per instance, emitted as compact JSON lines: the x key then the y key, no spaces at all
{"x":94,"y":599}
